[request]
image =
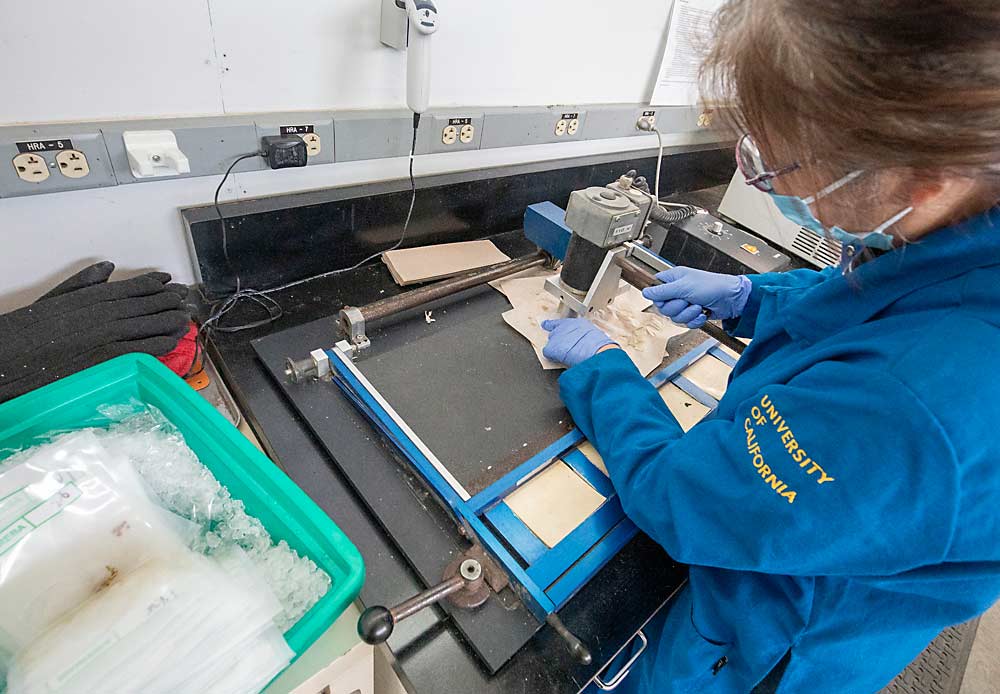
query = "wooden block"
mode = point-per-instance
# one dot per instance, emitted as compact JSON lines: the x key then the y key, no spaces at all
{"x":554,"y":502}
{"x":352,"y":673}
{"x":426,"y":263}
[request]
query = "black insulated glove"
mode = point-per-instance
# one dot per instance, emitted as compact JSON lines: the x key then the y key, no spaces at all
{"x":86,"y":320}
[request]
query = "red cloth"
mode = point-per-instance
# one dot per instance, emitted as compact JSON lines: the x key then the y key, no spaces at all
{"x":181,"y":359}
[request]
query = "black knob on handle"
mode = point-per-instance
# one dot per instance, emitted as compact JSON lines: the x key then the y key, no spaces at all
{"x":576,"y":647}
{"x":375,"y":625}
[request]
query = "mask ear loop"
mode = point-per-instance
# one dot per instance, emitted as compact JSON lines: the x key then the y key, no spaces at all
{"x":847,"y":258}
{"x":892,"y":220}
{"x":836,"y":185}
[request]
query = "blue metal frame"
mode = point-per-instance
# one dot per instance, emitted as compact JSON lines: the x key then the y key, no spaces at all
{"x":545,"y":226}
{"x":695,"y":392}
{"x":546,"y":577}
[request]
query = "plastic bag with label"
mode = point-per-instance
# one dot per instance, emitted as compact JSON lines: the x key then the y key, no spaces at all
{"x":72,"y":518}
{"x":165,"y":627}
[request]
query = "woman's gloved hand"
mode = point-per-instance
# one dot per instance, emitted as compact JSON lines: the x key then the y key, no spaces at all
{"x":573,"y":340}
{"x":86,"y":320}
{"x":686,"y":292}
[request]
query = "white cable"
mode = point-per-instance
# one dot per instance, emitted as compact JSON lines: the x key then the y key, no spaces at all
{"x":373,"y":256}
{"x":659,"y":161}
{"x":272,"y":307}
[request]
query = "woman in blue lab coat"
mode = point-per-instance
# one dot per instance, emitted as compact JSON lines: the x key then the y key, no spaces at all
{"x":842,"y":505}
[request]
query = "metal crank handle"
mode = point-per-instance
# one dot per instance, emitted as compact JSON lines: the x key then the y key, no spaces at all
{"x":377,"y":623}
{"x":575,"y":645}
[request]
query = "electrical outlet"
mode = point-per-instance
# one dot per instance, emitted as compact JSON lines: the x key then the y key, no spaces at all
{"x":314,"y":144}
{"x":447,"y":132}
{"x":72,"y":164}
{"x":31,"y":167}
{"x":36,"y":152}
{"x":568,"y":124}
{"x":533,"y":125}
{"x":622,"y":120}
{"x":647,"y":121}
{"x":315,"y":128}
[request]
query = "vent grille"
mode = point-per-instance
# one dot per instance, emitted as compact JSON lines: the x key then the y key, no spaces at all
{"x":822,"y":250}
{"x":828,"y":251}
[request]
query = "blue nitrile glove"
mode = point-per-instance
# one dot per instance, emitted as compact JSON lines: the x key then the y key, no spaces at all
{"x":572,"y":340}
{"x":685,"y":292}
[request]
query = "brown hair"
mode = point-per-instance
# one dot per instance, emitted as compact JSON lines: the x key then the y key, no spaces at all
{"x":865,"y":84}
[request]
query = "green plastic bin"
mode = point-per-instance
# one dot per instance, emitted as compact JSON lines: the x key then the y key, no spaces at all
{"x":283,"y":508}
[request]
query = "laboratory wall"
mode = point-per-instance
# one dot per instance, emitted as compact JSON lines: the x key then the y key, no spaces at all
{"x":64,"y":60}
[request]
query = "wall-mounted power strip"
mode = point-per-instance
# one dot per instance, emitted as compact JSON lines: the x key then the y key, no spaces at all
{"x":52,"y":158}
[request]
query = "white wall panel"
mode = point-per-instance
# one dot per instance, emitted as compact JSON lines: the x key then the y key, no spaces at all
{"x":102,"y":59}
{"x":66,"y":60}
{"x":512,"y":53}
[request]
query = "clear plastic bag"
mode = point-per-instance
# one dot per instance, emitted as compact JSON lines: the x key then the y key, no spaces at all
{"x":183,"y":485}
{"x":72,"y":518}
{"x":125,"y":566}
{"x":166,"y":627}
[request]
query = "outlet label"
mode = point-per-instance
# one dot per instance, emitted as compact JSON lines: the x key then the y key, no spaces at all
{"x":44,"y":146}
{"x":570,"y":116}
{"x":459,"y":121}
{"x":296,"y":129}
{"x":648,"y":114}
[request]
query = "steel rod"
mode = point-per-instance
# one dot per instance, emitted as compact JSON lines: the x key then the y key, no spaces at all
{"x":641,"y":278}
{"x":427,"y":598}
{"x":392,"y":305}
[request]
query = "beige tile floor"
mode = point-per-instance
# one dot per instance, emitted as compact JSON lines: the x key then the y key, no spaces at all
{"x":982,"y":675}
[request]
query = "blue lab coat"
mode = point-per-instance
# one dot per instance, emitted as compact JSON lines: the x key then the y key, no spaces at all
{"x":843,"y":501}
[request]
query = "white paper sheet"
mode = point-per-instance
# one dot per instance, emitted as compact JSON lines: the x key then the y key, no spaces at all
{"x":687,"y":38}
{"x":643,"y":335}
{"x":554,"y":502}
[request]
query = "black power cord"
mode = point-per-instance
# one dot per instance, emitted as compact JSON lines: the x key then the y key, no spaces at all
{"x":261,"y":297}
{"x":222,"y":219}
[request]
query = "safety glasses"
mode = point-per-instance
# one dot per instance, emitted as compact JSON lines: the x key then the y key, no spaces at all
{"x":751,"y":165}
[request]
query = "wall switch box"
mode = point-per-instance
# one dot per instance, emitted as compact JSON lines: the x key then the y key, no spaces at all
{"x":154,"y":153}
{"x":210,"y":145}
{"x":393,"y":25}
{"x":52,"y":159}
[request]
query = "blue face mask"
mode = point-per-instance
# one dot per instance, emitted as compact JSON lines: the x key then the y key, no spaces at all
{"x":797,"y":210}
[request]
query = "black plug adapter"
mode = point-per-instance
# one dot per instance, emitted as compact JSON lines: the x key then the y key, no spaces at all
{"x":285,"y":151}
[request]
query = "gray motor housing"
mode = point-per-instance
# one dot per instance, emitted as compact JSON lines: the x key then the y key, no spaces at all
{"x":604,"y":217}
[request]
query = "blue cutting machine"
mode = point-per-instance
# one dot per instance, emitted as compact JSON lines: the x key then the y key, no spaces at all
{"x":507,"y":552}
